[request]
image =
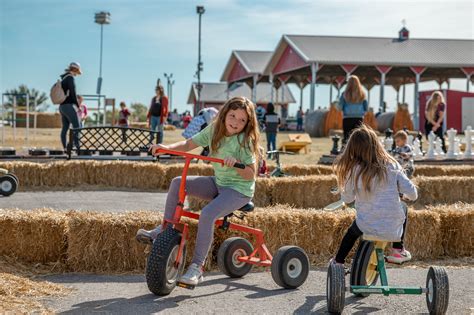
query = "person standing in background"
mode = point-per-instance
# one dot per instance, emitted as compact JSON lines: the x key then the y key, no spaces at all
{"x":353,"y":103}
{"x":434,"y":116}
{"x":158,"y":113}
{"x":299,"y":119}
{"x":82,"y":111}
{"x":272,"y":122}
{"x":69,"y":107}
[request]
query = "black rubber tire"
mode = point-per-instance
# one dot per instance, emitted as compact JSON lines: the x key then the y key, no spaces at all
{"x":15,"y":178}
{"x":438,"y":303}
{"x":284,"y":259}
{"x":225,"y":255}
{"x":359,"y":265}
{"x":335,"y":288}
{"x":162,"y":249}
{"x":13,"y":185}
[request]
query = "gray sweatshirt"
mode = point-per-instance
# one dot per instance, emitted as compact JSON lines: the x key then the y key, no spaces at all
{"x":380,"y":213}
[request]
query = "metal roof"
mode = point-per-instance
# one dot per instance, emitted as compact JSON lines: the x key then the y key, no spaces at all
{"x":217,"y":93}
{"x":378,"y":51}
{"x":254,"y":62}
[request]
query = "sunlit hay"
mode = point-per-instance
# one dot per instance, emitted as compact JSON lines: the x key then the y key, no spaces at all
{"x":304,"y":191}
{"x":105,"y":242}
{"x":444,"y":189}
{"x":33,"y":236}
{"x":457,"y":226}
{"x":444,"y":170}
{"x":423,"y":234}
{"x":21,"y":295}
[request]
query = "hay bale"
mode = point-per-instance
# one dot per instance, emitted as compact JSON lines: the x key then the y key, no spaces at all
{"x":43,"y":120}
{"x":444,"y":189}
{"x":105,"y":242}
{"x":304,"y":191}
{"x":423,"y":235}
{"x":444,"y":170}
{"x":457,"y":228}
{"x":33,"y":236}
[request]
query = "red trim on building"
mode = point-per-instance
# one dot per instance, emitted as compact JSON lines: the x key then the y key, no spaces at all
{"x":349,"y":68}
{"x":238,"y":72}
{"x":418,"y":70}
{"x":283,"y":78}
{"x":340,"y":80}
{"x":383,"y":69}
{"x":468,"y":71}
{"x":289,"y":60}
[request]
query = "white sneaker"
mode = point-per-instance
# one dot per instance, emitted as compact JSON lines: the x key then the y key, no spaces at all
{"x":148,"y":236}
{"x":398,"y":256}
{"x":193,"y":276}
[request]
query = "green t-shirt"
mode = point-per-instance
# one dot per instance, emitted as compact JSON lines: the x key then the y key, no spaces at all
{"x":229,"y":147}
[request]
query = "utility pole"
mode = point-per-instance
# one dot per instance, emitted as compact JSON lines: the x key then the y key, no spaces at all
{"x":200,"y":11}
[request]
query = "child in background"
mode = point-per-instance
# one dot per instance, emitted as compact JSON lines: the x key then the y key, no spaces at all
{"x":272,"y":122}
{"x":123,"y":119}
{"x":372,"y":178}
{"x":262,"y":163}
{"x":233,"y":136}
{"x":81,"y":111}
{"x":403,"y":152}
{"x":123,"y":115}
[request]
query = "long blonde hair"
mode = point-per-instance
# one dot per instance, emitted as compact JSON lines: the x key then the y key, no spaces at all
{"x":435,"y":99}
{"x":364,"y":153}
{"x":354,"y":92}
{"x":251,"y":133}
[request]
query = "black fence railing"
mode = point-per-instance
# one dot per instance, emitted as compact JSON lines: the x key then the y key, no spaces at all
{"x":106,"y":140}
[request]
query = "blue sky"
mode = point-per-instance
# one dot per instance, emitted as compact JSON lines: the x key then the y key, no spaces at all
{"x":147,"y":38}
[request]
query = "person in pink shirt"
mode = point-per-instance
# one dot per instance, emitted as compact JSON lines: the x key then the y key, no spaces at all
{"x":81,"y":111}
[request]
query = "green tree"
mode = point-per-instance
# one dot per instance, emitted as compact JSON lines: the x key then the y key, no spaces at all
{"x":34,"y":94}
{"x":139,"y":111}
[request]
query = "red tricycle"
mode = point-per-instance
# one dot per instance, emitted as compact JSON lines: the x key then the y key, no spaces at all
{"x":236,"y":255}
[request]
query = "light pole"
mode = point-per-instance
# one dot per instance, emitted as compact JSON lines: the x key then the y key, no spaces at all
{"x":171,"y":94}
{"x":168,"y":85}
{"x":199,"y":10}
{"x":101,"y":18}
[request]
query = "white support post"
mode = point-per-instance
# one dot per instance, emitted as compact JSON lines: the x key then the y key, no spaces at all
{"x":35,"y":118}
{"x":416,"y":111}
{"x":27,"y":119}
{"x":330,"y":94}
{"x":14,"y":118}
{"x":314,"y":69}
{"x":254,"y":89}
{"x":382,"y":85}
{"x":270,"y":79}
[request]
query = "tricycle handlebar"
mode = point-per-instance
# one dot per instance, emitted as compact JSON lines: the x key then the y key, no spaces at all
{"x":195,"y":156}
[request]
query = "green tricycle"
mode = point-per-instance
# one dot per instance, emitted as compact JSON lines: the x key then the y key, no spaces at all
{"x":8,"y":183}
{"x":368,"y":266}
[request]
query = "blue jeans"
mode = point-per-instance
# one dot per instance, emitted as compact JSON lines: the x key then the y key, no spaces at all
{"x":271,"y":141}
{"x":68,"y":117}
{"x":156,"y":126}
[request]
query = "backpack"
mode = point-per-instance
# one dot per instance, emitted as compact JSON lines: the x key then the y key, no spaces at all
{"x":155,"y":109}
{"x":57,"y":93}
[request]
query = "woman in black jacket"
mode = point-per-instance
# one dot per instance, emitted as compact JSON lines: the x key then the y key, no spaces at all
{"x":69,"y":107}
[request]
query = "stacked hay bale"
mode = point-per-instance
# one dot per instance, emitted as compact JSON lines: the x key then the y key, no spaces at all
{"x":105,"y":242}
{"x":43,"y":120}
